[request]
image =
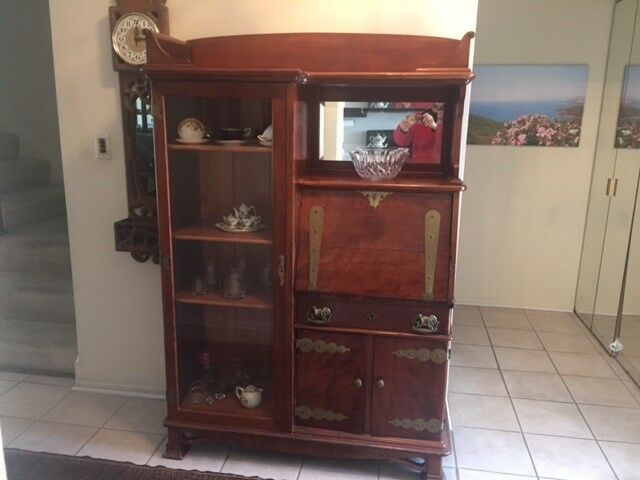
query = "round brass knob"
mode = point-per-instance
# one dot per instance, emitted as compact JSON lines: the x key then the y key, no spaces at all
{"x":357,"y":383}
{"x":380,"y":383}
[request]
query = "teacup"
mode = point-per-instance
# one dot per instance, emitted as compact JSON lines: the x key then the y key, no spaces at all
{"x":191,"y":130}
{"x":235,"y":133}
{"x":250,"y":397}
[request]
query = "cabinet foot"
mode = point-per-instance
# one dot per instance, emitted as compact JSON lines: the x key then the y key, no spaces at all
{"x":177,"y":445}
{"x":433,"y":469}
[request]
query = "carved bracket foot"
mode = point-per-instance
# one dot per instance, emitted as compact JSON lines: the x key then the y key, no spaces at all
{"x":177,"y":445}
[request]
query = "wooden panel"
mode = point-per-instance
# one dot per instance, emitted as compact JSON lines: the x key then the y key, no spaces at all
{"x":411,"y":403}
{"x":327,"y":365}
{"x":389,"y":315}
{"x":375,"y":251}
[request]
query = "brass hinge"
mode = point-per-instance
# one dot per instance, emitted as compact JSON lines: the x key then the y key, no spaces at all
{"x":166,"y":262}
{"x":156,"y":110}
{"x":612,"y":187}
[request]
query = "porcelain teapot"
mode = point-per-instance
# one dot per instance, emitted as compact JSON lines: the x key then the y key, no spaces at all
{"x":378,"y":140}
{"x":191,"y":130}
{"x":250,"y":397}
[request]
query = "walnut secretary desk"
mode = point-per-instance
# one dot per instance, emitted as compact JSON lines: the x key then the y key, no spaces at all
{"x":349,"y":335}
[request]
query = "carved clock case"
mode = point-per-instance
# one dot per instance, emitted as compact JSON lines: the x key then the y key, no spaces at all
{"x":349,"y":337}
{"x":138,"y":233}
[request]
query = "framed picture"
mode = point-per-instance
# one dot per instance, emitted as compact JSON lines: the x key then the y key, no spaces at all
{"x":628,"y":128}
{"x":528,"y":105}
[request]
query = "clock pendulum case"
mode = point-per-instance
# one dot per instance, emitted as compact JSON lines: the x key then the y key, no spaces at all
{"x":128,"y":20}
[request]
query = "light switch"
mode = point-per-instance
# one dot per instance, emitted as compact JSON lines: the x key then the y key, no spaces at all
{"x":103,"y":148}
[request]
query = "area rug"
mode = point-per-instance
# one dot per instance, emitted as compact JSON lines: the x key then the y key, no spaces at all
{"x":22,"y":465}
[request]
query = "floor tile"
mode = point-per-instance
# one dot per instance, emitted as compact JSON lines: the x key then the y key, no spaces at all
{"x":615,"y":424}
{"x":524,"y":360}
{"x":12,"y":377}
{"x":600,"y":391}
{"x":633,"y":388}
{"x":11,"y":428}
{"x":586,"y":365}
{"x":263,"y":464}
{"x":561,"y":322}
{"x":28,"y":400}
{"x":481,"y":411}
{"x":140,"y":415}
{"x":551,"y":418}
{"x":472,"y":356}
{"x":122,"y":446}
{"x":492,"y":451}
{"x":483,"y":381}
{"x":504,"y":318}
{"x":88,"y":409}
{"x":50,"y":380}
{"x":204,"y":457}
{"x":6,"y":385}
{"x":568,"y":458}
{"x":464,"y":474}
{"x":536,"y":386}
{"x":509,"y":337}
{"x":567,"y":342}
{"x":464,"y":334}
{"x":397,"y":471}
{"x":624,"y":458}
{"x":467,"y":315}
{"x":54,"y":438}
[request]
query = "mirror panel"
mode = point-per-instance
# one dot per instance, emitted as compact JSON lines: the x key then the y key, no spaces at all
{"x":345,"y":126}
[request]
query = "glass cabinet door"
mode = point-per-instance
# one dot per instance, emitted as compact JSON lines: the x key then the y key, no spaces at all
{"x":224,"y":203}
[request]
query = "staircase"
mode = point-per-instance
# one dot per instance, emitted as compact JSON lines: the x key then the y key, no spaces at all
{"x":37,"y":319}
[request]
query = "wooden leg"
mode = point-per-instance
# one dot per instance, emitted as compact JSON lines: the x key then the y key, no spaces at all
{"x":177,"y":444}
{"x":433,"y":469}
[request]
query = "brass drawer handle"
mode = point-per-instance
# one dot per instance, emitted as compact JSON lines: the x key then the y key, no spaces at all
{"x":425,"y":323}
{"x":357,"y":383}
{"x":380,"y":383}
{"x":319,"y":315}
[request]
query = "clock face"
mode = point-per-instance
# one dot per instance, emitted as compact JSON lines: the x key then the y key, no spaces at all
{"x":128,"y":37}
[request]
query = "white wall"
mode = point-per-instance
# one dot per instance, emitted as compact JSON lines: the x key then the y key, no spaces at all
{"x":28,"y":103}
{"x":524,"y":212}
{"x":118,"y":310}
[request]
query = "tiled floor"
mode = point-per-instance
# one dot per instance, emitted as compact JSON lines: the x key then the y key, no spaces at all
{"x":532,"y":395}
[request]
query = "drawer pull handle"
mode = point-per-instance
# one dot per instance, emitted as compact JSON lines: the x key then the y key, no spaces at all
{"x":357,"y":383}
{"x":319,"y":315}
{"x":380,"y":383}
{"x":425,"y":323}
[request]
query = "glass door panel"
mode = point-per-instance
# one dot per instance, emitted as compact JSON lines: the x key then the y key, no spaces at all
{"x":222,"y":214}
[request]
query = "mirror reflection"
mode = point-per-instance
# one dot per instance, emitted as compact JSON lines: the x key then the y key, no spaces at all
{"x":345,"y":126}
{"x":144,"y":155}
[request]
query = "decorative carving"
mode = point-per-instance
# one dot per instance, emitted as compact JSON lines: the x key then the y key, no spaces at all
{"x":138,"y":237}
{"x":431,"y":236}
{"x":419,"y":424}
{"x":375,"y":198}
{"x":281,"y":270}
{"x":316,"y":224}
{"x":305,"y":413}
{"x":437,"y":355}
{"x":308,"y":345}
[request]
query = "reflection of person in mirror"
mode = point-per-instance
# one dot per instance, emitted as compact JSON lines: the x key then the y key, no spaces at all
{"x":423,"y":134}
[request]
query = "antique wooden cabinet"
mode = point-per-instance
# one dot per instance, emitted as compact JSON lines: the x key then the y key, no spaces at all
{"x":344,"y":323}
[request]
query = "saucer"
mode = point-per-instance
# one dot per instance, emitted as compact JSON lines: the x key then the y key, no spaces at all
{"x":231,"y":142}
{"x":226,"y":228}
{"x":193,"y":142}
{"x":265,"y":144}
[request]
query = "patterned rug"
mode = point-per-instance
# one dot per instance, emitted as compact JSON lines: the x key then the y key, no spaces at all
{"x":22,"y":465}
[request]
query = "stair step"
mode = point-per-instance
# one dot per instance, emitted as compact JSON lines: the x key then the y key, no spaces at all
{"x":38,"y":346}
{"x":41,"y":247}
{"x":39,"y":297}
{"x":25,"y":207}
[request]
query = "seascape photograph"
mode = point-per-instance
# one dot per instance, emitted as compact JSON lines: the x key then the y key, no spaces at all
{"x":528,"y":105}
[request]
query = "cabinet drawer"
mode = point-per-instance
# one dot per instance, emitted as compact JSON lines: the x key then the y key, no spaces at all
{"x":394,"y":316}
{"x":397,"y":245}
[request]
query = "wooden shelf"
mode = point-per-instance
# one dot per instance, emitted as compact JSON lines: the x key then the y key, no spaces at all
{"x":255,"y":301}
{"x":402,"y":183}
{"x":211,"y":234}
{"x":231,"y":406}
{"x":214,"y":147}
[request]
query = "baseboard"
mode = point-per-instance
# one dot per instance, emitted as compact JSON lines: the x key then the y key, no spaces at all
{"x":507,"y":304}
{"x":114,"y":389}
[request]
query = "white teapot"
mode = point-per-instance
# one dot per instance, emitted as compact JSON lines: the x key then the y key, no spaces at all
{"x":378,"y":141}
{"x":250,"y":397}
{"x":191,"y":130}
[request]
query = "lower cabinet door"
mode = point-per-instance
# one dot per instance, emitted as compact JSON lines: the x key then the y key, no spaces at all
{"x":409,"y":387}
{"x":331,"y":381}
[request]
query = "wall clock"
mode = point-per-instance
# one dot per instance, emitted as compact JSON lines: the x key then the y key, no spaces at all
{"x":138,"y":233}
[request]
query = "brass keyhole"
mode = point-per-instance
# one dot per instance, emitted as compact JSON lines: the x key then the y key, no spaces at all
{"x":371,"y":316}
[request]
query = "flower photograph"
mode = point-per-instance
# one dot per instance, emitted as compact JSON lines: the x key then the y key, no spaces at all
{"x":628,"y":130}
{"x":528,"y":105}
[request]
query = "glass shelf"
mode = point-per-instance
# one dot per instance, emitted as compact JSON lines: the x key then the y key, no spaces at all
{"x":256,"y":301}
{"x":210,"y":234}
